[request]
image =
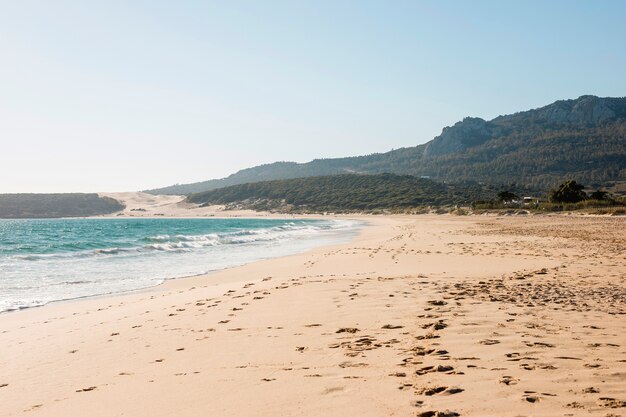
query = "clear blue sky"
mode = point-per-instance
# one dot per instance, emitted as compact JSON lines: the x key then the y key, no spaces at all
{"x":127,"y":95}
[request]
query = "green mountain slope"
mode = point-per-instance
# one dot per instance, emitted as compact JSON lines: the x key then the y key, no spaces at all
{"x":339,"y":193}
{"x":583,"y":139}
{"x":16,"y":206}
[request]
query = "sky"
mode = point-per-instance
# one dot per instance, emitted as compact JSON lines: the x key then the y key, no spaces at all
{"x":129,"y":95}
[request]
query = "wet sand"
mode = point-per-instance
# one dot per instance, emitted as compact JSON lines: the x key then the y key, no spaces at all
{"x":418,"y":316}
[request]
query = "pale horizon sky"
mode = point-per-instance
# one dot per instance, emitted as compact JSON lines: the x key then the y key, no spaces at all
{"x":130,"y":95}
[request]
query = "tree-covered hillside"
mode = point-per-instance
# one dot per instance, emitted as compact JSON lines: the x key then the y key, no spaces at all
{"x":583,"y":139}
{"x":20,"y":206}
{"x":340,"y":193}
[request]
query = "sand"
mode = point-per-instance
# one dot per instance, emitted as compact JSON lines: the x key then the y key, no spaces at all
{"x":418,"y":316}
{"x":139,"y":204}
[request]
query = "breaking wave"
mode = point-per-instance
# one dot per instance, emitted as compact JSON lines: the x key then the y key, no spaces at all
{"x":52,"y":260}
{"x":186,"y":243}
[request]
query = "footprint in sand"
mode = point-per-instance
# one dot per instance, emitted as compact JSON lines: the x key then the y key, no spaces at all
{"x":509,"y":380}
{"x":539,"y":344}
{"x":429,"y":391}
{"x":446,"y":413}
{"x":592,"y":365}
{"x":391,"y":326}
{"x":440,"y":325}
{"x":353,"y":365}
{"x":332,"y":389}
{"x":425,"y":370}
{"x":531,"y":398}
{"x":347,"y":330}
{"x":452,"y":391}
{"x":427,"y":336}
{"x":610,"y":402}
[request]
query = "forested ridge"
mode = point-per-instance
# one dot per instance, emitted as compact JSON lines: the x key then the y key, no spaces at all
{"x":583,"y":139}
{"x":14,"y":206}
{"x":341,"y":193}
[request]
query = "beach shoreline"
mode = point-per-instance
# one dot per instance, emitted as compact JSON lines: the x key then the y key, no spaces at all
{"x":349,"y":235}
{"x":416,"y":314}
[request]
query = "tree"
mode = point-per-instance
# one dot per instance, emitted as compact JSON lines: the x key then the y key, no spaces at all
{"x":599,"y":195}
{"x":507,"y":196}
{"x":568,"y":192}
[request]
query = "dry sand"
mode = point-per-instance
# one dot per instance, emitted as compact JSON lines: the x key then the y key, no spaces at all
{"x":140,"y":204}
{"x":418,"y":316}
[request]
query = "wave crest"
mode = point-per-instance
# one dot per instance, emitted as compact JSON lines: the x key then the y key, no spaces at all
{"x":186,"y":243}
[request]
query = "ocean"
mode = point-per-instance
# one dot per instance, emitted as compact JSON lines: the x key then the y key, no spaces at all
{"x":42,"y":261}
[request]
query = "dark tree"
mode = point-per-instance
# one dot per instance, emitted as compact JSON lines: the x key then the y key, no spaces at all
{"x":568,"y":192}
{"x":599,"y":195}
{"x":507,"y":196}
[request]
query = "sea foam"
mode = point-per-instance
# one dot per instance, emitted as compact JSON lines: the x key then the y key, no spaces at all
{"x":50,"y":260}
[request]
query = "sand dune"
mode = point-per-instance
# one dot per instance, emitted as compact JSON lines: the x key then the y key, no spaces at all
{"x":140,"y":204}
{"x":418,"y":316}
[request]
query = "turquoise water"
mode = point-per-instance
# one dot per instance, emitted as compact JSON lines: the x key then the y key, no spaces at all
{"x":51,"y":260}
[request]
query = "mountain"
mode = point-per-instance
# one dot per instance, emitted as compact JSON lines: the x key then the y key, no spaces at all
{"x":339,"y":193}
{"x":584,"y":139}
{"x":22,"y":206}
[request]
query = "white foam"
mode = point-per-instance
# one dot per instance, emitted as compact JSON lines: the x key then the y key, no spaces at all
{"x":61,"y":276}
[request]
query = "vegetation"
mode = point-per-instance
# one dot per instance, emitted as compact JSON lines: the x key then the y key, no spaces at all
{"x":379,"y":193}
{"x":592,"y":206}
{"x":507,"y":196}
{"x":15,"y":206}
{"x":571,"y":196}
{"x":599,"y":195}
{"x":568,"y":192}
{"x":340,"y":193}
{"x":568,"y":196}
{"x":583,"y":138}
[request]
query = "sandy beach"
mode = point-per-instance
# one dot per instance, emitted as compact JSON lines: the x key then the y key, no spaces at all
{"x":417,"y":316}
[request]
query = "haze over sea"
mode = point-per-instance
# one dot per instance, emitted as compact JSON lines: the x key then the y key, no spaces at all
{"x":50,"y":260}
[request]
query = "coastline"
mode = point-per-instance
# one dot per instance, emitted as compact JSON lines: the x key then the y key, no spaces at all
{"x":350,"y":327}
{"x":299,"y":245}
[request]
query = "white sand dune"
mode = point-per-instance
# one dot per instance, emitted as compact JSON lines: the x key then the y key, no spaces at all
{"x":140,"y":204}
